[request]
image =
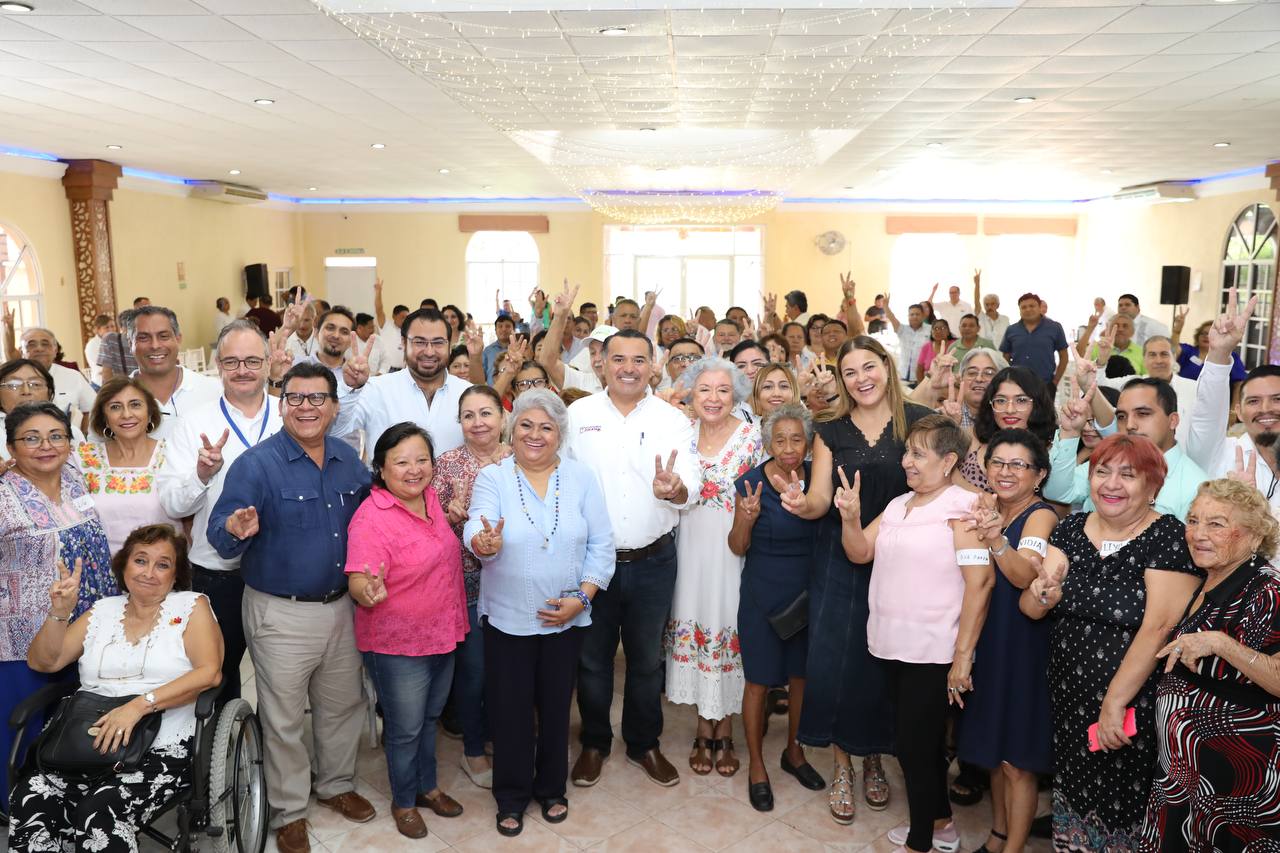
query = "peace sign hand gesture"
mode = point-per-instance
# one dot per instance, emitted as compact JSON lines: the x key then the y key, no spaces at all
{"x":1180,"y":319}
{"x":1075,"y":412}
{"x":488,"y":542}
{"x":1086,"y":373}
{"x":375,"y":586}
{"x":458,"y":508}
{"x":794,"y":500}
{"x":243,"y":523}
{"x":356,"y":371}
{"x":209,"y":457}
{"x":667,"y":484}
{"x":674,"y":395}
{"x":953,"y":406}
{"x":1247,"y":474}
{"x":1106,"y":343}
{"x":847,"y":287}
{"x":475,"y":339}
{"x":748,"y":504}
{"x":985,"y":520}
{"x":771,"y":304}
{"x":564,"y":299}
{"x":64,"y":593}
{"x":1228,"y":330}
{"x":279,"y":359}
{"x":849,"y":498}
{"x":1050,"y":572}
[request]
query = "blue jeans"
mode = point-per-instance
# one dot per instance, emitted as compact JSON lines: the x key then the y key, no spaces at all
{"x":412,"y":691}
{"x":468,"y":687}
{"x":634,"y":609}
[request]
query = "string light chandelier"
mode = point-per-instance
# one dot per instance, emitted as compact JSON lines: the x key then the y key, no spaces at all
{"x":668,"y":121}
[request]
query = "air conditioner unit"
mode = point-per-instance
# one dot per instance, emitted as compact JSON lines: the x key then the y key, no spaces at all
{"x":227,"y":193}
{"x":1155,"y":193}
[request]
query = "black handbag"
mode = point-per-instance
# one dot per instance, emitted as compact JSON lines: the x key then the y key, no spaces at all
{"x":793,"y":618}
{"x":66,"y":745}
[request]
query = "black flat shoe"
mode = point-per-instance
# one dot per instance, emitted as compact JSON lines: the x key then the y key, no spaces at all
{"x":804,"y":773}
{"x":1042,"y":827}
{"x":510,"y":832}
{"x":549,"y":804}
{"x":994,"y":834}
{"x":761,"y":796}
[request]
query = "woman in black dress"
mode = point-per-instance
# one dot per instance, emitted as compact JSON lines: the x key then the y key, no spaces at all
{"x":1129,"y":583}
{"x":846,"y":703}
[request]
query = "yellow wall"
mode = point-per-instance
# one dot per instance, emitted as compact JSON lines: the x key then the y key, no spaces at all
{"x":37,"y":209}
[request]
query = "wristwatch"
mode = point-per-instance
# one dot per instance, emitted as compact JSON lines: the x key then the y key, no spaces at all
{"x":150,"y":698}
{"x":279,"y":386}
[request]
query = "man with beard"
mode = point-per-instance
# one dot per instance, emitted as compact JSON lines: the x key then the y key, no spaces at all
{"x":1252,"y":456}
{"x":333,"y":341}
{"x":424,"y":392}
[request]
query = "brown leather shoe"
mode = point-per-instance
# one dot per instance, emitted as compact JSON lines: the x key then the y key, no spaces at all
{"x":409,"y":822}
{"x":292,"y":837}
{"x":586,"y":770}
{"x":442,"y":804}
{"x":350,"y":805}
{"x":656,"y":766}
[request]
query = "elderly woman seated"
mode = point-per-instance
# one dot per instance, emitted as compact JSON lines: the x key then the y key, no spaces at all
{"x":158,"y":643}
{"x":1218,"y":707}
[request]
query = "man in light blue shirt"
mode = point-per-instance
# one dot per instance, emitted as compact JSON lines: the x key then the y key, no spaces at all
{"x":502,"y":327}
{"x":1147,"y":407}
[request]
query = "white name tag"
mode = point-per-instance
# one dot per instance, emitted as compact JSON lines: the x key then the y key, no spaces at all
{"x":84,"y":503}
{"x":1111,"y":546}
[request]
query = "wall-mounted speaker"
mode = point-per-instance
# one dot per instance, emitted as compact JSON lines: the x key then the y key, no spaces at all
{"x":255,"y":281}
{"x":1175,"y":285}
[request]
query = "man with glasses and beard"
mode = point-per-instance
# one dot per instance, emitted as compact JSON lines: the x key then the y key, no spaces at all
{"x":333,"y":340}
{"x":424,"y":392}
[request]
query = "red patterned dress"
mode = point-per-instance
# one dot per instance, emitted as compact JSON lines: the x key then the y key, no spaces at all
{"x":1217,"y":784}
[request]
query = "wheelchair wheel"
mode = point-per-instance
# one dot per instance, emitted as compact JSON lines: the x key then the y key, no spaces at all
{"x":237,"y":784}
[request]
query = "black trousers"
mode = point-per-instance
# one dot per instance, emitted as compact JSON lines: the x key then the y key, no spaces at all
{"x":225,"y":590}
{"x":524,"y":675}
{"x":919,"y":695}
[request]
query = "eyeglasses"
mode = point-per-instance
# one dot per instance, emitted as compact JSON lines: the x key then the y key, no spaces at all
{"x":55,"y":439}
{"x":29,"y":384}
{"x":317,"y":399}
{"x":428,"y":343}
{"x":684,"y":359}
{"x":526,"y":384}
{"x":975,"y":373}
{"x":1020,"y":402}
{"x":1015,"y":465}
{"x":253,"y":362}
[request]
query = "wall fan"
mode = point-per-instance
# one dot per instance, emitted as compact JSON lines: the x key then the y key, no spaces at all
{"x":830,"y":243}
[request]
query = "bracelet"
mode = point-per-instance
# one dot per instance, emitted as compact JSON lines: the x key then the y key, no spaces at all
{"x":1252,"y":659}
{"x":56,"y":618}
{"x":584,"y":598}
{"x":271,"y":383}
{"x":1004,"y":546}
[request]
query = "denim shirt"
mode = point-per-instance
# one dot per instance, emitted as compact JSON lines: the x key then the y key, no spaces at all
{"x":534,"y":563}
{"x":303,"y":512}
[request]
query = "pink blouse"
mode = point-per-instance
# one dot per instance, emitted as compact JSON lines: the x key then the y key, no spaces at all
{"x":425,"y":612}
{"x":916,"y":584}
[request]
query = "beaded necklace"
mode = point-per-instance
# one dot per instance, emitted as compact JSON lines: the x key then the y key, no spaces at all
{"x":555,"y":525}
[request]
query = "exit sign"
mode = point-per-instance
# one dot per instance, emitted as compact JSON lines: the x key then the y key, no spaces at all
{"x":348,"y":251}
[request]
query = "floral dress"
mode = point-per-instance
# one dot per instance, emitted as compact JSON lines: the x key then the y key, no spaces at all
{"x":704,"y":657}
{"x":126,"y":498}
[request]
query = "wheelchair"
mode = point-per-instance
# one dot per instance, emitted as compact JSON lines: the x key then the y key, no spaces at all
{"x":226,"y":803}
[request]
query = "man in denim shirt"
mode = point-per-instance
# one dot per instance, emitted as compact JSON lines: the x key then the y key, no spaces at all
{"x":284,"y":512}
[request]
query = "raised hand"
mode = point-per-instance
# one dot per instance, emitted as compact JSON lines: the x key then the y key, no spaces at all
{"x":953,"y":406}
{"x":243,"y":523}
{"x":538,"y":299}
{"x":847,"y":287}
{"x":1247,"y":474}
{"x":666,"y":482}
{"x":209,"y":457}
{"x":748,"y":503}
{"x":564,"y":299}
{"x":675,"y":395}
{"x":984,"y":519}
{"x":1180,"y":319}
{"x":488,"y":542}
{"x":375,"y":586}
{"x":941,"y":370}
{"x":377,"y":285}
{"x":770,"y":304}
{"x":651,"y":298}
{"x":977,"y":281}
{"x":356,"y":371}
{"x":1050,"y":572}
{"x":1075,"y":412}
{"x":292,"y":316}
{"x":1106,"y":343}
{"x":659,"y":364}
{"x":748,"y":331}
{"x":1086,"y":373}
{"x":279,"y":359}
{"x":705,"y":338}
{"x":10,"y":316}
{"x":475,"y":338}
{"x":849,"y":497}
{"x":458,"y":509}
{"x":792,"y":493}
{"x":1228,"y":330}
{"x":64,"y":593}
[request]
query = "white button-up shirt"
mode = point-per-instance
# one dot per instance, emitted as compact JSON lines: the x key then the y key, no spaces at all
{"x":910,"y":342}
{"x":1145,"y":327}
{"x":387,"y":400}
{"x":1208,"y":443}
{"x":992,"y":330}
{"x":71,"y":391}
{"x":182,"y":493}
{"x":392,"y":343}
{"x":194,"y":391}
{"x":302,"y":350}
{"x":620,"y":449}
{"x":952,"y":313}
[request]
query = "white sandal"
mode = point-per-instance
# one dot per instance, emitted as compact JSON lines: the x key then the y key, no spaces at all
{"x":840,"y":798}
{"x":481,"y":779}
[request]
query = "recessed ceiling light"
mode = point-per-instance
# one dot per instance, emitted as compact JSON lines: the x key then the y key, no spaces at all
{"x":16,"y":7}
{"x":312,"y":189}
{"x":848,"y":188}
{"x":487,"y":187}
{"x":264,"y":102}
{"x":1222,"y":145}
{"x":1025,"y":99}
{"x":650,"y":129}
{"x":444,"y":171}
{"x":378,"y":145}
{"x":114,"y":147}
{"x":1106,"y":171}
{"x":933,"y":145}
{"x":233,"y":172}
{"x":612,"y":31}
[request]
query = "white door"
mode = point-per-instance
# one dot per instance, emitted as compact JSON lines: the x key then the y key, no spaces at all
{"x":350,"y":283}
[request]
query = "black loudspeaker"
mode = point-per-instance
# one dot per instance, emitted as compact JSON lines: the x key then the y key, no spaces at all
{"x":1175,"y":285}
{"x":255,"y":281}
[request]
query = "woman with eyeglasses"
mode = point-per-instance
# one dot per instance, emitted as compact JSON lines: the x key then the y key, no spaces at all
{"x":670,"y":329}
{"x":24,"y":381}
{"x":45,"y":518}
{"x":122,"y":459}
{"x":1015,"y":398}
{"x":1005,"y":726}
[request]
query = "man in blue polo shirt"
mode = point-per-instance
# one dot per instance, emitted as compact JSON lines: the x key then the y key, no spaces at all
{"x":1034,"y":340}
{"x":284,"y":511}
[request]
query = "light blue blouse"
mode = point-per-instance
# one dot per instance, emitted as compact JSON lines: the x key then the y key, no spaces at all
{"x":535,"y":563}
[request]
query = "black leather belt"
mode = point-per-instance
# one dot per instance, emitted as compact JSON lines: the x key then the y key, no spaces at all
{"x":327,"y":598}
{"x":632,"y":555}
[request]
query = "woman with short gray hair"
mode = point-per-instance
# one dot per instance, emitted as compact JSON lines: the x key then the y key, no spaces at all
{"x":704,"y":663}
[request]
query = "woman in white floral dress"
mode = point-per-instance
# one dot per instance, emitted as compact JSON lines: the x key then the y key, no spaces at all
{"x":704,"y":661}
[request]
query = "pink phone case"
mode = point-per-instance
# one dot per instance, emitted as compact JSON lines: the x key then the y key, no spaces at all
{"x":1130,"y":729}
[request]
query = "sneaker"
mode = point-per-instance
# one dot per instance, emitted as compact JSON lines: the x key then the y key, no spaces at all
{"x":945,"y":840}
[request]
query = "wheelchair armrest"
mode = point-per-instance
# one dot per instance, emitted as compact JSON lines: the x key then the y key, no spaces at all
{"x":37,"y":702}
{"x":205,"y":702}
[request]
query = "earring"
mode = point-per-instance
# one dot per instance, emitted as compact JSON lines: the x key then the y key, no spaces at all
{"x":108,"y":432}
{"x":1151,"y":502}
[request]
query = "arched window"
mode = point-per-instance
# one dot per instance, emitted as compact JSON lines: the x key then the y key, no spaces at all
{"x":1249,"y":265}
{"x":20,"y":280}
{"x":501,"y":262}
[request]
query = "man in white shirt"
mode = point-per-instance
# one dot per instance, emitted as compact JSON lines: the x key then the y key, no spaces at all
{"x":222,"y":315}
{"x":71,"y":391}
{"x":155,"y":339}
{"x":911,"y":339}
{"x":424,"y":392}
{"x":796,"y":307}
{"x":389,"y":329}
{"x":103,"y":325}
{"x":585,"y":369}
{"x":639,"y":447}
{"x":204,"y":443}
{"x":1159,"y":360}
{"x":303,"y":342}
{"x":1208,"y":444}
{"x":366,"y":329}
{"x":991,"y":323}
{"x":334,"y":334}
{"x":953,"y":309}
{"x":1143,"y":326}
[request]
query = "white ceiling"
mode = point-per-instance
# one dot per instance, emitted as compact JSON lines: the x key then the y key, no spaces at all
{"x":1140,"y":89}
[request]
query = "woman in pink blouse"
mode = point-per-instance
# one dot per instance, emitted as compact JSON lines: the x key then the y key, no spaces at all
{"x":480,"y":413}
{"x":404,"y":570}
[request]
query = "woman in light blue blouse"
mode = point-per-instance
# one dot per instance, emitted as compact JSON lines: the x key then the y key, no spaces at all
{"x":539,"y":525}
